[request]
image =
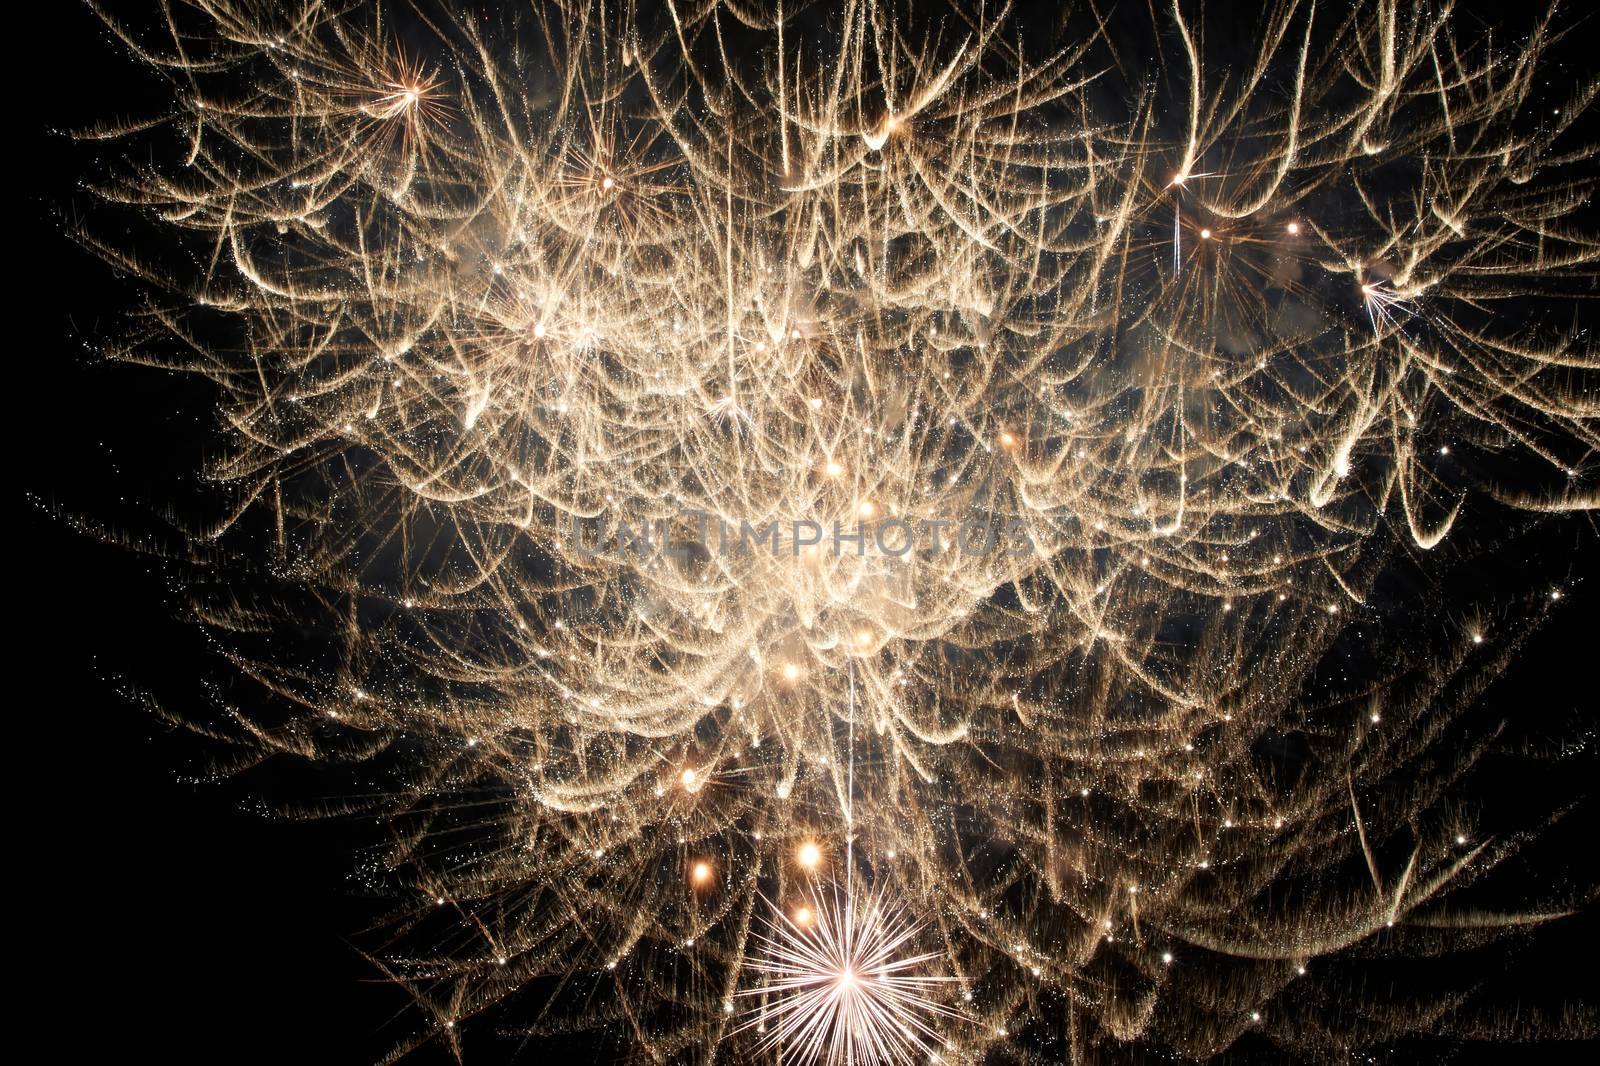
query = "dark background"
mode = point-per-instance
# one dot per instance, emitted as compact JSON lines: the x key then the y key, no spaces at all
{"x":167,"y":917}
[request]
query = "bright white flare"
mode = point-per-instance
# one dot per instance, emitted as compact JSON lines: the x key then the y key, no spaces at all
{"x":835,"y":987}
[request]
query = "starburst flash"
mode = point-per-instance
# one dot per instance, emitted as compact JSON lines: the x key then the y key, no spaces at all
{"x":846,"y":986}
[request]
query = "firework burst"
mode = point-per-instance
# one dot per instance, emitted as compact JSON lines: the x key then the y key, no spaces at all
{"x":501,"y":307}
{"x":840,"y":982}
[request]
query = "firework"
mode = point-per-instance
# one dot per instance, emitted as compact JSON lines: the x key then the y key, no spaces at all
{"x":716,"y":434}
{"x":838,"y":985}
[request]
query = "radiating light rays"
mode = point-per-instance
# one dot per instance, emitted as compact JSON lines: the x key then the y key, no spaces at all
{"x":726,"y":410}
{"x":416,"y":95}
{"x":1384,"y":306}
{"x":841,"y":982}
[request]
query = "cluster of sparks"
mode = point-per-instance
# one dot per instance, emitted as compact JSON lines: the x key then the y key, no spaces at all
{"x":474,"y":289}
{"x":842,"y":986}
